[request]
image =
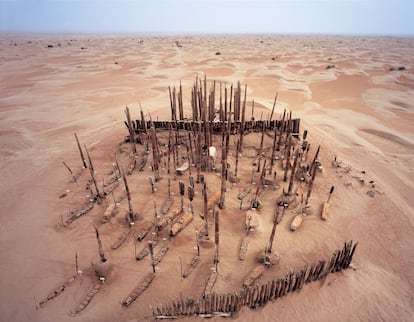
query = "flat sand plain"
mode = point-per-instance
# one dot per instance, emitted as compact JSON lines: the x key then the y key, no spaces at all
{"x":361,"y":111}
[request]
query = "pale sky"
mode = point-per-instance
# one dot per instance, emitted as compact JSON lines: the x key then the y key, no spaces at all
{"x":378,"y":17}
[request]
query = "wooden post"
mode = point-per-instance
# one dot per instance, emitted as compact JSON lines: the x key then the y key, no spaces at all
{"x":216,"y":238}
{"x":169,"y":188}
{"x":191,"y":196}
{"x":205,"y":208}
{"x":76,"y":264}
{"x":155,"y":217}
{"x":80,"y":152}
{"x":198,"y":243}
{"x":273,"y":108}
{"x":223,"y":168}
{"x":314,"y":159}
{"x":293,"y":172}
{"x":151,"y":181}
{"x":130,"y":211}
{"x":237,"y":157}
{"x":310,"y":186}
{"x":182,"y":192}
{"x":100,"y":248}
{"x":131,"y":131}
{"x":92,"y":172}
{"x":67,"y":167}
{"x":272,"y":161}
{"x":151,"y":250}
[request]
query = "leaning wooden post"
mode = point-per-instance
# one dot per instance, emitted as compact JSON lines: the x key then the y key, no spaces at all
{"x":81,"y":152}
{"x":130,"y":211}
{"x":131,"y":131}
{"x":273,"y":108}
{"x":151,"y":250}
{"x":293,"y":172}
{"x":216,"y":239}
{"x":92,"y":172}
{"x":310,"y":186}
{"x":100,"y":248}
{"x":314,"y":159}
{"x":272,"y":236}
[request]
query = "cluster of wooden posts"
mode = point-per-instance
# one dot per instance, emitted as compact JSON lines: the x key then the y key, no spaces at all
{"x":258,"y":294}
{"x":196,"y":134}
{"x":216,"y":126}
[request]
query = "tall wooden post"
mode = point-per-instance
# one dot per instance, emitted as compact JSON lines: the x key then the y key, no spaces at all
{"x":237,"y":157}
{"x":223,"y":168}
{"x":131,"y":131}
{"x":76,"y":264}
{"x":92,"y":172}
{"x":80,"y":152}
{"x":243,"y":121}
{"x":314,"y":159}
{"x":131,"y":216}
{"x":310,"y":186}
{"x":272,"y":236}
{"x":205,"y":209}
{"x":273,"y":108}
{"x":272,"y":161}
{"x":151,"y":250}
{"x":293,"y":172}
{"x":216,"y":239}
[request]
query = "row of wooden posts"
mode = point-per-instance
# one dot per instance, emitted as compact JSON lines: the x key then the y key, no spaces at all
{"x":259,"y":294}
{"x":140,"y":126}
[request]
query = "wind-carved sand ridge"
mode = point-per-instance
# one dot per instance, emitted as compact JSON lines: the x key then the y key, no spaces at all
{"x":358,"y":111}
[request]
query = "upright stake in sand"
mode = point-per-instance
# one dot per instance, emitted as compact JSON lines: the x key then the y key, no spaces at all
{"x":131,"y":216}
{"x":92,"y":172}
{"x":80,"y":151}
{"x":205,"y":209}
{"x":131,"y":131}
{"x":151,"y":250}
{"x":216,"y":239}
{"x":293,"y":172}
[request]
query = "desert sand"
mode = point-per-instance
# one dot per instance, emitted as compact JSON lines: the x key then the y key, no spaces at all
{"x":361,"y":111}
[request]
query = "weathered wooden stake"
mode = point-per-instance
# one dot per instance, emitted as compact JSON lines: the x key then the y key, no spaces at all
{"x":100,"y":248}
{"x":131,"y":131}
{"x":92,"y":172}
{"x":76,"y":264}
{"x":198,"y":243}
{"x":151,"y":250}
{"x":216,"y":238}
{"x":292,"y":174}
{"x":81,"y":152}
{"x":273,"y":108}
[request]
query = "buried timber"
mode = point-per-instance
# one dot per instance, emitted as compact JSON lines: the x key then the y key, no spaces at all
{"x":226,"y":173}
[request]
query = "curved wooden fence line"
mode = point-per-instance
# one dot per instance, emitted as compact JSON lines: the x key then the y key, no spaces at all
{"x":259,"y":294}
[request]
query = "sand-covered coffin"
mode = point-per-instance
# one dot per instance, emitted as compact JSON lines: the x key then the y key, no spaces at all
{"x":182,"y":222}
